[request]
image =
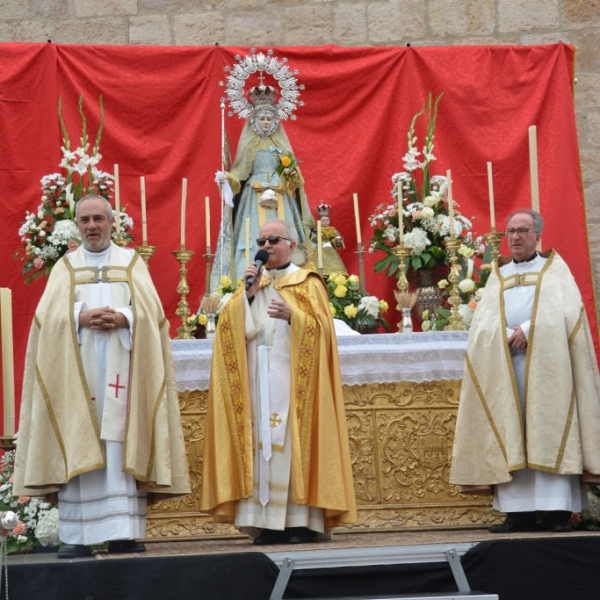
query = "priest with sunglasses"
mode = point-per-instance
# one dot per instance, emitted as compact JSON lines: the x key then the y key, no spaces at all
{"x":276,"y":454}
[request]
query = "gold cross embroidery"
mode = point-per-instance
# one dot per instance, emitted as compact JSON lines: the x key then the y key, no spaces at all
{"x":275,"y":420}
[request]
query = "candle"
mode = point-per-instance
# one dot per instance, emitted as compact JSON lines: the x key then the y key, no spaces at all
{"x":8,"y":370}
{"x":319,"y":245}
{"x":533,"y":169}
{"x":450,"y":203}
{"x":207,"y":216}
{"x":491,"y":196}
{"x":247,"y":241}
{"x":400,"y":215}
{"x":357,"y":219}
{"x":144,"y":226}
{"x":117,"y":202}
{"x":183,"y":201}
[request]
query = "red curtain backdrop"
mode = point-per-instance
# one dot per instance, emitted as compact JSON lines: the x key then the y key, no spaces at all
{"x":163,"y":121}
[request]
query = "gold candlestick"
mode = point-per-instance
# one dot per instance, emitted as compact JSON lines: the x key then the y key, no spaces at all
{"x":145,"y":252}
{"x":208,"y":258}
{"x":494,"y":238}
{"x":455,"y":322}
{"x":183,"y":310}
{"x":402,"y":252}
{"x":121,"y":241}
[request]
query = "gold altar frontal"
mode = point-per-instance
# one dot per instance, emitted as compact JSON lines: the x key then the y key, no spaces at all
{"x":401,"y":437}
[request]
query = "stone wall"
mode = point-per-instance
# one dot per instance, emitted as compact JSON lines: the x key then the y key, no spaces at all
{"x":345,"y":23}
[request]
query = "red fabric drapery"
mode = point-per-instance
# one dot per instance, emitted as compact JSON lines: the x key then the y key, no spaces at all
{"x":163,"y":121}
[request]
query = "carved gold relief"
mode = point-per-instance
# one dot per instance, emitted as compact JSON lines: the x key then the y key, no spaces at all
{"x":400,"y":437}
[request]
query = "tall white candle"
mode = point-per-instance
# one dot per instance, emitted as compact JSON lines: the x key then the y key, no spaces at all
{"x":144,"y":225}
{"x":357,"y":219}
{"x":183,"y":202}
{"x":247,"y":241}
{"x":117,"y":201}
{"x":491,"y":196}
{"x":319,"y":245}
{"x":207,"y":217}
{"x":450,"y":203}
{"x":533,"y":169}
{"x":400,"y":215}
{"x":8,"y":368}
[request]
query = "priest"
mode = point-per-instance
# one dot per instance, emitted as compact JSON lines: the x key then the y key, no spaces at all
{"x":529,"y":413}
{"x":276,"y":455}
{"x":100,"y":422}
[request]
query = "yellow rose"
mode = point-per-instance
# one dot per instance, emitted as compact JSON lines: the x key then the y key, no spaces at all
{"x":332,"y":309}
{"x":425,"y":315}
{"x":383,"y":306}
{"x":286,"y":161}
{"x":225,"y":281}
{"x":350,"y":311}
{"x":340,"y":291}
{"x":332,"y":276}
{"x":353,"y":279}
{"x":202,"y":319}
{"x":466,"y":251}
{"x":426,"y":325}
{"x":191,"y":319}
{"x":340,"y":280}
{"x":443,"y":284}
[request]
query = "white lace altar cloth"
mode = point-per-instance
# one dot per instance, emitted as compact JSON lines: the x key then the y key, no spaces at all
{"x":378,"y":358}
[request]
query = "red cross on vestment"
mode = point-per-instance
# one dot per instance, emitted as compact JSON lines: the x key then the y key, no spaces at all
{"x":117,"y":386}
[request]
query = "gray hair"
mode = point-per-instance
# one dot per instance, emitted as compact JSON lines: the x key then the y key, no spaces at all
{"x":538,"y":222}
{"x":290,"y":230}
{"x":109,"y":209}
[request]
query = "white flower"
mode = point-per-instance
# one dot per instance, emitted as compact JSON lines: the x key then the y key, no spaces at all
{"x":466,"y":312}
{"x":479,"y":294}
{"x":417,"y":240}
{"x":410,"y":159}
{"x":64,"y":231}
{"x":370,"y":304}
{"x":46,"y":530}
{"x":427,"y":213}
{"x":391,"y":233}
{"x":466,"y":286}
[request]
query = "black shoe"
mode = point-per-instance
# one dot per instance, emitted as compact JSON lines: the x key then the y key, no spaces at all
{"x":125,"y":547}
{"x":515,"y":522}
{"x":74,"y":551}
{"x":301,"y":535}
{"x":561,"y":521}
{"x":271,"y":536}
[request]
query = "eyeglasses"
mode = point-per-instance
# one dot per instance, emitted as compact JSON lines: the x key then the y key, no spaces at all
{"x":272,"y":239}
{"x":518,"y":231}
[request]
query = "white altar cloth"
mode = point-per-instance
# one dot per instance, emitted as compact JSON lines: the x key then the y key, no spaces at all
{"x":378,"y":358}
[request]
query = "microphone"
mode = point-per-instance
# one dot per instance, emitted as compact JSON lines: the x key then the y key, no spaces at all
{"x":261,"y":258}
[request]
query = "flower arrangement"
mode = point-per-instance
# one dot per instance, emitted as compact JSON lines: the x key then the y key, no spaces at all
{"x":287,"y":169}
{"x":354,"y":306}
{"x":48,"y":233}
{"x":424,"y":206}
{"x":37,"y":520}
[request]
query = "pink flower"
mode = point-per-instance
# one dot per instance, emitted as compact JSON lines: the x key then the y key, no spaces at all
{"x":38,"y":263}
{"x":23,"y":499}
{"x":473,"y":304}
{"x":19,"y":528}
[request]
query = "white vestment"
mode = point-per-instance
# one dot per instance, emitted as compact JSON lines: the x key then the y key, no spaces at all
{"x":531,"y":489}
{"x":104,"y":504}
{"x":268,"y":351}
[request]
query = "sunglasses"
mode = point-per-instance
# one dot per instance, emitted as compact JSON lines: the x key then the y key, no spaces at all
{"x":272,"y":239}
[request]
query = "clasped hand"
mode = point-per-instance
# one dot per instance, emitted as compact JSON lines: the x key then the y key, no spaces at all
{"x":517,"y":340}
{"x":106,"y":318}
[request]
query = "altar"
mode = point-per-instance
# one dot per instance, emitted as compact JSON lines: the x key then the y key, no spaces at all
{"x":401,"y":395}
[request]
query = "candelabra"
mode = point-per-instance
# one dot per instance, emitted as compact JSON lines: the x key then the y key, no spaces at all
{"x":455,"y":322}
{"x":402,"y":252}
{"x":493,"y":239}
{"x":145,"y":252}
{"x":120,"y":241}
{"x":183,"y":310}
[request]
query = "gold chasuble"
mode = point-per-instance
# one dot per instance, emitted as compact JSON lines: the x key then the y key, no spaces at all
{"x":560,"y":431}
{"x":59,"y":433}
{"x":321,"y":473}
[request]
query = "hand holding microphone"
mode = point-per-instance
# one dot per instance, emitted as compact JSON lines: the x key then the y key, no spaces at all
{"x":261,"y":258}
